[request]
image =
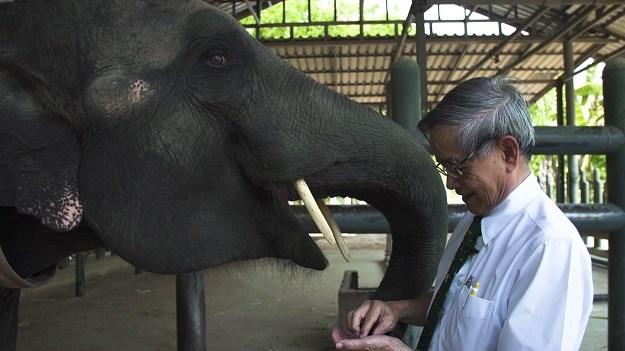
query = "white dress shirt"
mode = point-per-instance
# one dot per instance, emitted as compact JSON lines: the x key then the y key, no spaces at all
{"x":535,"y":280}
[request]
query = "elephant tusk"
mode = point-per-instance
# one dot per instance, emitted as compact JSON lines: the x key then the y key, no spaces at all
{"x":313,"y":209}
{"x":336,"y":231}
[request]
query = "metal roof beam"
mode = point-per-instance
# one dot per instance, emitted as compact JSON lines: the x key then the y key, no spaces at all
{"x":599,"y":17}
{"x":399,"y":48}
{"x":591,"y":53}
{"x":435,"y":82}
{"x":616,"y":35}
{"x":453,"y":70}
{"x":430,"y":39}
{"x":401,"y":42}
{"x":579,"y":17}
{"x":578,"y":62}
{"x":378,"y":56}
{"x":499,"y":48}
{"x":442,"y":69}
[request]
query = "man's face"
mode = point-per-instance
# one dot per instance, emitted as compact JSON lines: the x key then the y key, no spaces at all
{"x":484,"y":182}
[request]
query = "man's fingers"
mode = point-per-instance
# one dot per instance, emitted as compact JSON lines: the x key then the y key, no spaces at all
{"x":383,"y":327}
{"x":373,"y":319}
{"x":355,"y":318}
{"x":372,"y":343}
{"x":369,"y":322}
{"x":351,"y":344}
{"x":369,"y":319}
{"x":337,"y":335}
{"x":353,"y":322}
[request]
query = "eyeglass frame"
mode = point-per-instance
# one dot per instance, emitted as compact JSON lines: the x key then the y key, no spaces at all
{"x":456,"y":172}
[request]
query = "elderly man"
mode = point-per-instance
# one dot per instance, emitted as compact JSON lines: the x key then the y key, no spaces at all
{"x":515,"y":274}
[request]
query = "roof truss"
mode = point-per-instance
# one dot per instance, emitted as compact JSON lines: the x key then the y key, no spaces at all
{"x":533,"y":51}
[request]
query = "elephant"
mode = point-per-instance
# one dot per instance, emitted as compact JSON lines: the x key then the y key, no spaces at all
{"x":163,"y":131}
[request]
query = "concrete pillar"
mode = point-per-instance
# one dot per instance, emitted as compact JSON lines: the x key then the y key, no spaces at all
{"x":406,"y":94}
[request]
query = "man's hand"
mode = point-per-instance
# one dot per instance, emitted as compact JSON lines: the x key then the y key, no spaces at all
{"x":375,"y":317}
{"x":369,"y":343}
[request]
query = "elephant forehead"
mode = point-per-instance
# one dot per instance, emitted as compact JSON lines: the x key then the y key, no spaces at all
{"x":136,"y":35}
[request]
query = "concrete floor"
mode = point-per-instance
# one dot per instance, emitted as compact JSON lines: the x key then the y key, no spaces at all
{"x":248,"y":307}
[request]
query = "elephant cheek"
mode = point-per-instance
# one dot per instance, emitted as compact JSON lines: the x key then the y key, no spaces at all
{"x":113,"y":95}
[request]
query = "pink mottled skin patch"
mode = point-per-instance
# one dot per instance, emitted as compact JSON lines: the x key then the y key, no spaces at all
{"x":138,"y":90}
{"x":71,"y":210}
{"x":62,"y":214}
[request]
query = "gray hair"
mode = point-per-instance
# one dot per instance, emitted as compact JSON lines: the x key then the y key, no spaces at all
{"x":484,"y":109}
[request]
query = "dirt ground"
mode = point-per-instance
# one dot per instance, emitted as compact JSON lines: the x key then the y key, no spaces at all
{"x":248,"y":307}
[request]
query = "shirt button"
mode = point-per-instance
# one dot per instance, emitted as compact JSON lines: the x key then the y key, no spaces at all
{"x":458,"y":283}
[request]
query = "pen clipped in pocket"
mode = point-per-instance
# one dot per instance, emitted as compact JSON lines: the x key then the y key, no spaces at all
{"x":473,"y":306}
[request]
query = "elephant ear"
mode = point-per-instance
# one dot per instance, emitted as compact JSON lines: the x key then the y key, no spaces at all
{"x":39,"y":154}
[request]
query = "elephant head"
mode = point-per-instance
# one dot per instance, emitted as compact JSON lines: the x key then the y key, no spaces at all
{"x":178,"y":137}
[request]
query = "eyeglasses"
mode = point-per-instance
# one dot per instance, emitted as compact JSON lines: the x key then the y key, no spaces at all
{"x":455,"y":170}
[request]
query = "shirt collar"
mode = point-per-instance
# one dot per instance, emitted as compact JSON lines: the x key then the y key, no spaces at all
{"x":502,"y":214}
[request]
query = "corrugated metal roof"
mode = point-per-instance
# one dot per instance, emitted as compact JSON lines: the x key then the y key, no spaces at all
{"x":358,"y":67}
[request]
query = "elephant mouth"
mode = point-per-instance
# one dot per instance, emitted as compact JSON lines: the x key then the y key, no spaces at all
{"x":322,"y":217}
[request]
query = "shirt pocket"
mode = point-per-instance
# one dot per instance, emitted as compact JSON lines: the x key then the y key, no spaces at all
{"x":466,"y":324}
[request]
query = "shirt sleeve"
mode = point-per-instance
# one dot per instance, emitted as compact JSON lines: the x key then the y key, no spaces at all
{"x":548,"y":304}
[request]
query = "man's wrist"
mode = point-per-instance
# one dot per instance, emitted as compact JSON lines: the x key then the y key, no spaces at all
{"x":402,"y":308}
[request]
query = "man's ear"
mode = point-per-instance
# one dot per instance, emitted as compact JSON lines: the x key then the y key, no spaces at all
{"x":511,"y":151}
{"x":39,"y":155}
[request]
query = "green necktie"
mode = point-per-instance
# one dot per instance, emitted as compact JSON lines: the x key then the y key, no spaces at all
{"x":466,"y":249}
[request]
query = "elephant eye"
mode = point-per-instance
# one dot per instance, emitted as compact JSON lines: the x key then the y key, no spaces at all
{"x":217,"y":60}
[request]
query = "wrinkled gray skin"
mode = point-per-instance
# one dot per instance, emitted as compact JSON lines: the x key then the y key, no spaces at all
{"x":175,"y":135}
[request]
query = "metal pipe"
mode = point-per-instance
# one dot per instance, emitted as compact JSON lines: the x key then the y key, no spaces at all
{"x":364,"y":219}
{"x":584,"y":187}
{"x":569,"y":95}
{"x":80,"y":274}
{"x":614,"y":106}
{"x":570,"y":140}
{"x":561,"y":167}
{"x":598,"y":198}
{"x":422,"y":55}
{"x":190,"y":312}
{"x":597,"y":186}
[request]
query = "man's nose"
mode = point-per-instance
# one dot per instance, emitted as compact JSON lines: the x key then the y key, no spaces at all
{"x":451,"y":182}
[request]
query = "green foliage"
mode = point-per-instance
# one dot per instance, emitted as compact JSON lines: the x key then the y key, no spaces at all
{"x":544,"y":113}
{"x":588,"y":112}
{"x":306,"y":23}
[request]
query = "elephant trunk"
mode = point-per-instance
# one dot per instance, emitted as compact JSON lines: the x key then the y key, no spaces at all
{"x":342,"y":148}
{"x":393,"y":173}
